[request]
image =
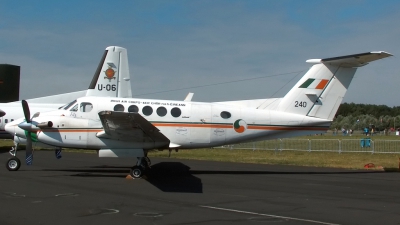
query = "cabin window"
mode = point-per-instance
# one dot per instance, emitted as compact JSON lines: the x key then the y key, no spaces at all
{"x":225,"y":114}
{"x":12,"y":120}
{"x":176,"y":112}
{"x":161,"y":111}
{"x":75,"y":108}
{"x":147,"y":110}
{"x":119,"y":108}
{"x":6,"y":120}
{"x":86,"y":107}
{"x":69,"y":105}
{"x":133,"y":108}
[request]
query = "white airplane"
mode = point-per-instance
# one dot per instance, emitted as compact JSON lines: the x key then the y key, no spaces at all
{"x":132,"y":127}
{"x":110,"y":79}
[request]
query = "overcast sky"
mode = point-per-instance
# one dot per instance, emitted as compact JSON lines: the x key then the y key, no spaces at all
{"x":181,"y":44}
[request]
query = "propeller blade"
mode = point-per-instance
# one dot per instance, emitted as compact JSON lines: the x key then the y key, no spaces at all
{"x":27,"y":113}
{"x":35,"y":115}
{"x":58,"y":153}
{"x":29,"y":150}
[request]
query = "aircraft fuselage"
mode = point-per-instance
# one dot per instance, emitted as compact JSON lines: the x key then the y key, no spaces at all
{"x":186,"y":124}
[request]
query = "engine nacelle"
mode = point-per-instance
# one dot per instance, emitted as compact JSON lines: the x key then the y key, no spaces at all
{"x":48,"y":124}
{"x":50,"y":138}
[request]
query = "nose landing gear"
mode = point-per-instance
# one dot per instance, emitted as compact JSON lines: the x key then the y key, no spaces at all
{"x":13,"y":164}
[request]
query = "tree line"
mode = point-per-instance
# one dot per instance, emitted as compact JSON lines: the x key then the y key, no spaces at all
{"x":358,"y":116}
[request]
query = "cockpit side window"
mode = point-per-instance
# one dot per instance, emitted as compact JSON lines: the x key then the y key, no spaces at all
{"x":86,"y":107}
{"x":75,"y":108}
{"x":69,"y":104}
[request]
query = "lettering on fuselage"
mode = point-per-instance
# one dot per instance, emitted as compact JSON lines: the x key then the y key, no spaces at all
{"x":181,"y":131}
{"x":108,"y":87}
{"x":219,"y":132}
{"x":150,"y":103}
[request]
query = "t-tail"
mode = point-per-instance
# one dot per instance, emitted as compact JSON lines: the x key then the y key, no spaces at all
{"x":112,"y":78}
{"x":321,"y":90}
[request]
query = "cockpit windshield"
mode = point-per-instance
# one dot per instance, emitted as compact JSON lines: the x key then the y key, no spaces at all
{"x":75,"y":108}
{"x":69,"y":105}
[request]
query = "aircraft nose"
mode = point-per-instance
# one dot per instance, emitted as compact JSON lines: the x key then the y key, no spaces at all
{"x":13,"y":129}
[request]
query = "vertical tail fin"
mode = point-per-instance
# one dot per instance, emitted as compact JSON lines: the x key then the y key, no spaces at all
{"x":320,"y":91}
{"x":112,"y":78}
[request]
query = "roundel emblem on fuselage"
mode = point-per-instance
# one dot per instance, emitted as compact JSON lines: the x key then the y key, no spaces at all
{"x":240,"y":126}
{"x":109,"y":73}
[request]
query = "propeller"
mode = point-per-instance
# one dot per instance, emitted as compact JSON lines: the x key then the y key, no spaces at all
{"x":29,"y":150}
{"x":30,"y":129}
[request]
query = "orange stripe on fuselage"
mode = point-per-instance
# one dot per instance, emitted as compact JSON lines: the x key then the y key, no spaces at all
{"x":71,"y":130}
{"x":285,"y":128}
{"x":249,"y":127}
{"x":192,"y":125}
{"x":252,"y":127}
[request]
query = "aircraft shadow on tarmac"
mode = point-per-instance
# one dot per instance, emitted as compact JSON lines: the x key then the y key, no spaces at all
{"x":166,"y":176}
{"x":178,"y":177}
{"x":5,"y":149}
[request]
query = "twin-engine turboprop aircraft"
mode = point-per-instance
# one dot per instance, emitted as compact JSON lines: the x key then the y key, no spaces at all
{"x":132,"y":127}
{"x":111,"y":79}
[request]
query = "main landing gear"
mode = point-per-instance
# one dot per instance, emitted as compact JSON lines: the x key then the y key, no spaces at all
{"x":142,"y":164}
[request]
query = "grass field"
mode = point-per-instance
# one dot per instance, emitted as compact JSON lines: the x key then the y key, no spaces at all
{"x":356,"y":135}
{"x":388,"y":162}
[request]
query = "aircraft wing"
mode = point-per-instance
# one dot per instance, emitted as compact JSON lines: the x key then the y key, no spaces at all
{"x":129,"y":127}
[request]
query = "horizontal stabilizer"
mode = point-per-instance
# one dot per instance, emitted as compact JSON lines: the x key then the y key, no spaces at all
{"x":356,"y":60}
{"x":58,"y":99}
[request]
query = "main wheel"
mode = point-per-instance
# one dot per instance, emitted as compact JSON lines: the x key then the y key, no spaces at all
{"x":13,"y":164}
{"x":137,"y":171}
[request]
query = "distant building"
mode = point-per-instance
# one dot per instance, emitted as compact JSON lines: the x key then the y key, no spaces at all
{"x":9,"y":83}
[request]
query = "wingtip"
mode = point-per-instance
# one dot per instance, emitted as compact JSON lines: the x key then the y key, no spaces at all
{"x":382,"y":52}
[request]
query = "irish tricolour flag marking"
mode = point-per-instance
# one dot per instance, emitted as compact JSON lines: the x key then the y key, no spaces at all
{"x":312,"y":83}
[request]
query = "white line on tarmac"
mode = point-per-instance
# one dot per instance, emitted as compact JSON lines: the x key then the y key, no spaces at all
{"x":268,"y":215}
{"x":111,"y":211}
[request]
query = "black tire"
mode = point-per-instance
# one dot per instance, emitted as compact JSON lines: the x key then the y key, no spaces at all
{"x":13,"y":164}
{"x":137,"y":172}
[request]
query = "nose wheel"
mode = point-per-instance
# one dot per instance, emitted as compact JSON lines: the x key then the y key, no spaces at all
{"x":13,"y":164}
